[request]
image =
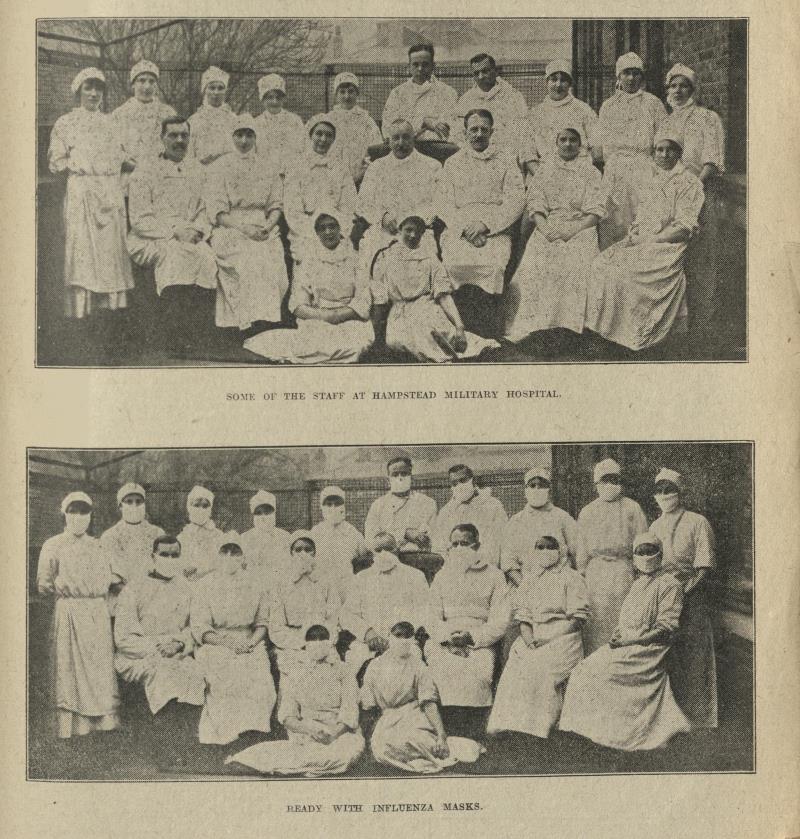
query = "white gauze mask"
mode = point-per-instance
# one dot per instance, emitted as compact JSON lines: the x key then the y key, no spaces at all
{"x":667,"y":501}
{"x":463,"y":492}
{"x":133,"y":513}
{"x":400,"y":484}
{"x":77,"y":523}
{"x":334,"y":515}
{"x":545,"y":557}
{"x":199,"y":515}
{"x":608,"y":492}
{"x":537,"y":497}
{"x":264,"y":521}
{"x":383,"y":560}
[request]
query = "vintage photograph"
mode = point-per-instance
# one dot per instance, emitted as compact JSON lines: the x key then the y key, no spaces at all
{"x":492,"y":609}
{"x":324,"y":191}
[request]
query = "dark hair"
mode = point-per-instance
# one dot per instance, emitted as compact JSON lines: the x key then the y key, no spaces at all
{"x":667,"y":485}
{"x":479,"y":112}
{"x":467,"y":528}
{"x":460,"y":467}
{"x":96,"y":82}
{"x":82,"y":507}
{"x":403,"y":629}
{"x":547,"y":543}
{"x":264,"y":508}
{"x":231,"y":549}
{"x":652,"y":549}
{"x":165,"y":540}
{"x":403,"y":458}
{"x":173,"y":120}
{"x":481,"y":57}
{"x":422,"y":48}
{"x":303,"y":539}
{"x":325,"y":215}
{"x":317,"y":632}
{"x":322,"y":122}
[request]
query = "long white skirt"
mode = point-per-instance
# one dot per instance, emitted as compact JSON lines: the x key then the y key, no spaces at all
{"x":83,"y":679}
{"x":622,"y":698}
{"x":548,"y":290}
{"x":240,"y":693}
{"x":609,"y":582}
{"x":314,"y":342}
{"x":164,"y":679}
{"x":620,"y":177}
{"x":252,"y":278}
{"x":483,"y":267}
{"x":404,"y":738}
{"x":531,"y":689}
{"x":175,"y":263}
{"x":97,"y":270}
{"x":462,"y":680}
{"x":410,"y":326}
{"x":302,"y":755}
{"x":637,"y":293}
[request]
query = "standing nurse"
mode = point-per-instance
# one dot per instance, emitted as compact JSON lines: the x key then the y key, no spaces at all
{"x":688,"y":542}
{"x":607,"y":527}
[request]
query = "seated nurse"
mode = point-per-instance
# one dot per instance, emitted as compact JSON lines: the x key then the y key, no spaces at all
{"x":637,"y":287}
{"x":330,"y":300}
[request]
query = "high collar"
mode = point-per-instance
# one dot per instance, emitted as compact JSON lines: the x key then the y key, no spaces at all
{"x":687,"y":105}
{"x":545,"y":508}
{"x":315,"y":160}
{"x":558,"y":103}
{"x":499,"y":85}
{"x":487,"y":154}
{"x":664,"y":176}
{"x":624,"y":96}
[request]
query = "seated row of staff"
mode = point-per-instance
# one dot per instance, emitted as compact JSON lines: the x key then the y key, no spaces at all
{"x":212,"y":233}
{"x":168,"y":609}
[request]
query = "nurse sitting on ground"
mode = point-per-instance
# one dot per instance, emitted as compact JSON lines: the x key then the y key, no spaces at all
{"x":413,"y":307}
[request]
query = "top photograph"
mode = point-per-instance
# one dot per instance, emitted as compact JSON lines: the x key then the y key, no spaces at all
{"x":232,"y":192}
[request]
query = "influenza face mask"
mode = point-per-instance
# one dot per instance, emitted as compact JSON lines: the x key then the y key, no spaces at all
{"x":667,"y":501}
{"x":545,"y":557}
{"x":461,"y":556}
{"x":167,"y":565}
{"x":318,"y":650}
{"x":401,"y":647}
{"x":608,"y":492}
{"x":647,"y":563}
{"x":335,"y":514}
{"x":264,"y":521}
{"x":77,"y":523}
{"x":199,"y":515}
{"x":132,"y":513}
{"x":463,"y":492}
{"x":537,"y":496}
{"x":384,"y":560}
{"x":400,"y":484}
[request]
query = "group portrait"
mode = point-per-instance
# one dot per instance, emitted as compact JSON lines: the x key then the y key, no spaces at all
{"x":387,"y":611}
{"x":390,"y":191}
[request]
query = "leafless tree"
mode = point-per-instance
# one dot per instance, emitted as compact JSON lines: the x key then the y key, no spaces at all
{"x":183,"y":49}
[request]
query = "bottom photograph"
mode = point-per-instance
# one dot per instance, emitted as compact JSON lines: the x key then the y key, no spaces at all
{"x":498,"y":609}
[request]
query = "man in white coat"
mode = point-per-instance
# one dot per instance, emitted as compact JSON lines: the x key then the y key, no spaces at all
{"x":169,"y":233}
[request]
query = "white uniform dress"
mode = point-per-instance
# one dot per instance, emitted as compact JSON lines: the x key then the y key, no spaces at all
{"x":549,"y":287}
{"x":211,"y":132}
{"x":607,"y":530}
{"x":403,"y":737}
{"x":252,"y":279}
{"x":509,"y":112}
{"x":325,"y":279}
{"x":551,"y":116}
{"x":77,"y":572}
{"x":475,"y":600}
{"x":394,"y":185}
{"x":531,"y":523}
{"x":484,"y":511}
{"x":301,"y":600}
{"x":356,"y":131}
{"x":97,"y":271}
{"x":200,"y":545}
{"x":622,"y":697}
{"x":266,"y":553}
{"x":482,"y":187}
{"x":153,"y":610}
{"x":626,"y":129}
{"x":531,"y":688}
{"x":313,"y":182}
{"x":164,"y":196}
{"x":337,"y":546}
{"x":130,"y":549}
{"x":240,"y":693}
{"x":413,"y":102}
{"x":281,"y":138}
{"x":413,"y":280}
{"x":637,"y":294}
{"x":324,"y":692}
{"x":138,"y":126}
{"x":688,"y":542}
